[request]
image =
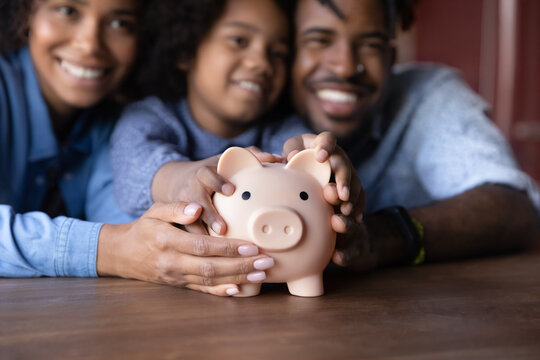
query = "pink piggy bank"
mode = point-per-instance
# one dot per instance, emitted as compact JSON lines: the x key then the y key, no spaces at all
{"x":281,"y":209}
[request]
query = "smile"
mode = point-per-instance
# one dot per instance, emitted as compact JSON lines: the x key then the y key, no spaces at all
{"x":81,"y":72}
{"x":337,"y":96}
{"x":250,"y":86}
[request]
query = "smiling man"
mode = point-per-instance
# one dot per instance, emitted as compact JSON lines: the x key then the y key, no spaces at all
{"x":440,"y":180}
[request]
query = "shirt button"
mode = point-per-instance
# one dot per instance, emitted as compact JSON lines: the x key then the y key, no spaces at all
{"x":68,"y":176}
{"x":40,"y":180}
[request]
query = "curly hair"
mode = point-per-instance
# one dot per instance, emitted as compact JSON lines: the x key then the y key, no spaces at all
{"x":397,"y":12}
{"x":14,"y":17}
{"x":173,"y":37}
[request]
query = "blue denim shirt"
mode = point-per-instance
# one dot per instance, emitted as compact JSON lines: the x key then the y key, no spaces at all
{"x":31,"y":243}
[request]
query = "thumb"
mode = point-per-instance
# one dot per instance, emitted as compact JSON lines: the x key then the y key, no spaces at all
{"x":175,"y":212}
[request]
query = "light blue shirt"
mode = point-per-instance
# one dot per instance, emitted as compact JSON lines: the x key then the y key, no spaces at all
{"x":151,"y":133}
{"x":433,"y":140}
{"x":31,"y":243}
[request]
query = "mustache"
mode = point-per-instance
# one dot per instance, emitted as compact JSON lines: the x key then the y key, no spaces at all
{"x":353,"y":82}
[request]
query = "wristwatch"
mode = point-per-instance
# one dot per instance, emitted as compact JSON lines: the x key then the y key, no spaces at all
{"x":411,"y":231}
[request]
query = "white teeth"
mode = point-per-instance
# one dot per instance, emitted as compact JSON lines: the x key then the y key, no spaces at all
{"x":337,"y":96}
{"x":251,"y":86}
{"x":81,"y":72}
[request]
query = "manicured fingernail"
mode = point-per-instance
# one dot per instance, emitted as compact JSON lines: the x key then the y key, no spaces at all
{"x":248,"y":250}
{"x":216,"y":227}
{"x":191,"y":209}
{"x":232,"y":291}
{"x":256,"y":276}
{"x":263,"y":264}
{"x":227,"y":189}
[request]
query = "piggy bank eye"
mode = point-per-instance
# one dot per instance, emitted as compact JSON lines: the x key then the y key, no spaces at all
{"x":246,"y":195}
{"x":304,"y":195}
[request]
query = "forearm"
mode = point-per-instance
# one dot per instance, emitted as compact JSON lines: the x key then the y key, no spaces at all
{"x":489,"y":219}
{"x":169,"y":178}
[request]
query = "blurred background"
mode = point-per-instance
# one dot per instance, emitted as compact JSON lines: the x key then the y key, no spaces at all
{"x":496,"y":46}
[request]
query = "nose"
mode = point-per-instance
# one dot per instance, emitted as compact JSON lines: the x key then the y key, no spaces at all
{"x":275,"y":228}
{"x":258,"y":61}
{"x":342,"y":60}
{"x":87,"y":38}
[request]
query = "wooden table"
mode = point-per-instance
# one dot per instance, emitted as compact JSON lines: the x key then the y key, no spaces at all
{"x":480,"y":309}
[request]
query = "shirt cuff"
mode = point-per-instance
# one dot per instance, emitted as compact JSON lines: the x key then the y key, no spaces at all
{"x":76,"y":248}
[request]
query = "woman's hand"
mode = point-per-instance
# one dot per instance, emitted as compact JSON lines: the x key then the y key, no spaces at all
{"x":154,"y":248}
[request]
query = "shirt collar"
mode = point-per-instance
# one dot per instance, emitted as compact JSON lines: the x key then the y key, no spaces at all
{"x":43,"y":142}
{"x":244,"y":139}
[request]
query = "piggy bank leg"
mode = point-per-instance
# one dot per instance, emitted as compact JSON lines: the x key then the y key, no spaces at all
{"x":307,"y":286}
{"x":247,"y":290}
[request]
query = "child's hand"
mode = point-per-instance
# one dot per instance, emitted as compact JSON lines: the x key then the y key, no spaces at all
{"x":346,"y":194}
{"x":197,"y":181}
{"x":193,"y":181}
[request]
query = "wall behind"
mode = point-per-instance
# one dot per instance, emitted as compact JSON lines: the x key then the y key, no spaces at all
{"x":496,"y":46}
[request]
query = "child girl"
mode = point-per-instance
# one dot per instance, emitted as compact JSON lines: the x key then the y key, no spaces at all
{"x":218,"y":71}
{"x":62,"y":64}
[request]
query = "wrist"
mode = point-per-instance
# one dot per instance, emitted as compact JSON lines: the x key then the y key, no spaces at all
{"x":107,"y":250}
{"x":165,"y":181}
{"x":408,"y":232}
{"x":386,"y":239}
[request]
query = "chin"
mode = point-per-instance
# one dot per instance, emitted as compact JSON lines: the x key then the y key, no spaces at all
{"x":341,"y":127}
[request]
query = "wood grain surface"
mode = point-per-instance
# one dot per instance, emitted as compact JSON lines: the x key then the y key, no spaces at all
{"x":480,"y":309}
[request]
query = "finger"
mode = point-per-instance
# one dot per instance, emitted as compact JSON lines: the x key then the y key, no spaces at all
{"x":211,"y":217}
{"x":176,"y":212}
{"x":216,"y":267}
{"x":264,"y":156}
{"x":346,"y":225}
{"x":213,"y":182}
{"x":324,"y":144}
{"x":330,"y":194}
{"x":346,"y":208}
{"x":197,"y":227}
{"x":292,"y":154}
{"x":357,"y":195}
{"x":293,"y":146}
{"x":339,"y":258}
{"x":202,"y":245}
{"x":255,"y":277}
{"x":338,"y":224}
{"x":341,"y":168}
{"x":219,"y":290}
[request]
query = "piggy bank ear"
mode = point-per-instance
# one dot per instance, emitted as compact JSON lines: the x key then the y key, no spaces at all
{"x":305,"y":161}
{"x":235,"y":159}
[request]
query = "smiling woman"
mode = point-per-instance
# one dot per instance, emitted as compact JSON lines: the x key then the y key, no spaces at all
{"x":82,"y":50}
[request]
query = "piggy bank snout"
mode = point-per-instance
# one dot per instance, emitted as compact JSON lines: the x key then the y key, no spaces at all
{"x":275,"y":228}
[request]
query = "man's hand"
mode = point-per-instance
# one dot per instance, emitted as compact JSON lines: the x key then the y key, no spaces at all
{"x":154,"y":249}
{"x":347,"y":193}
